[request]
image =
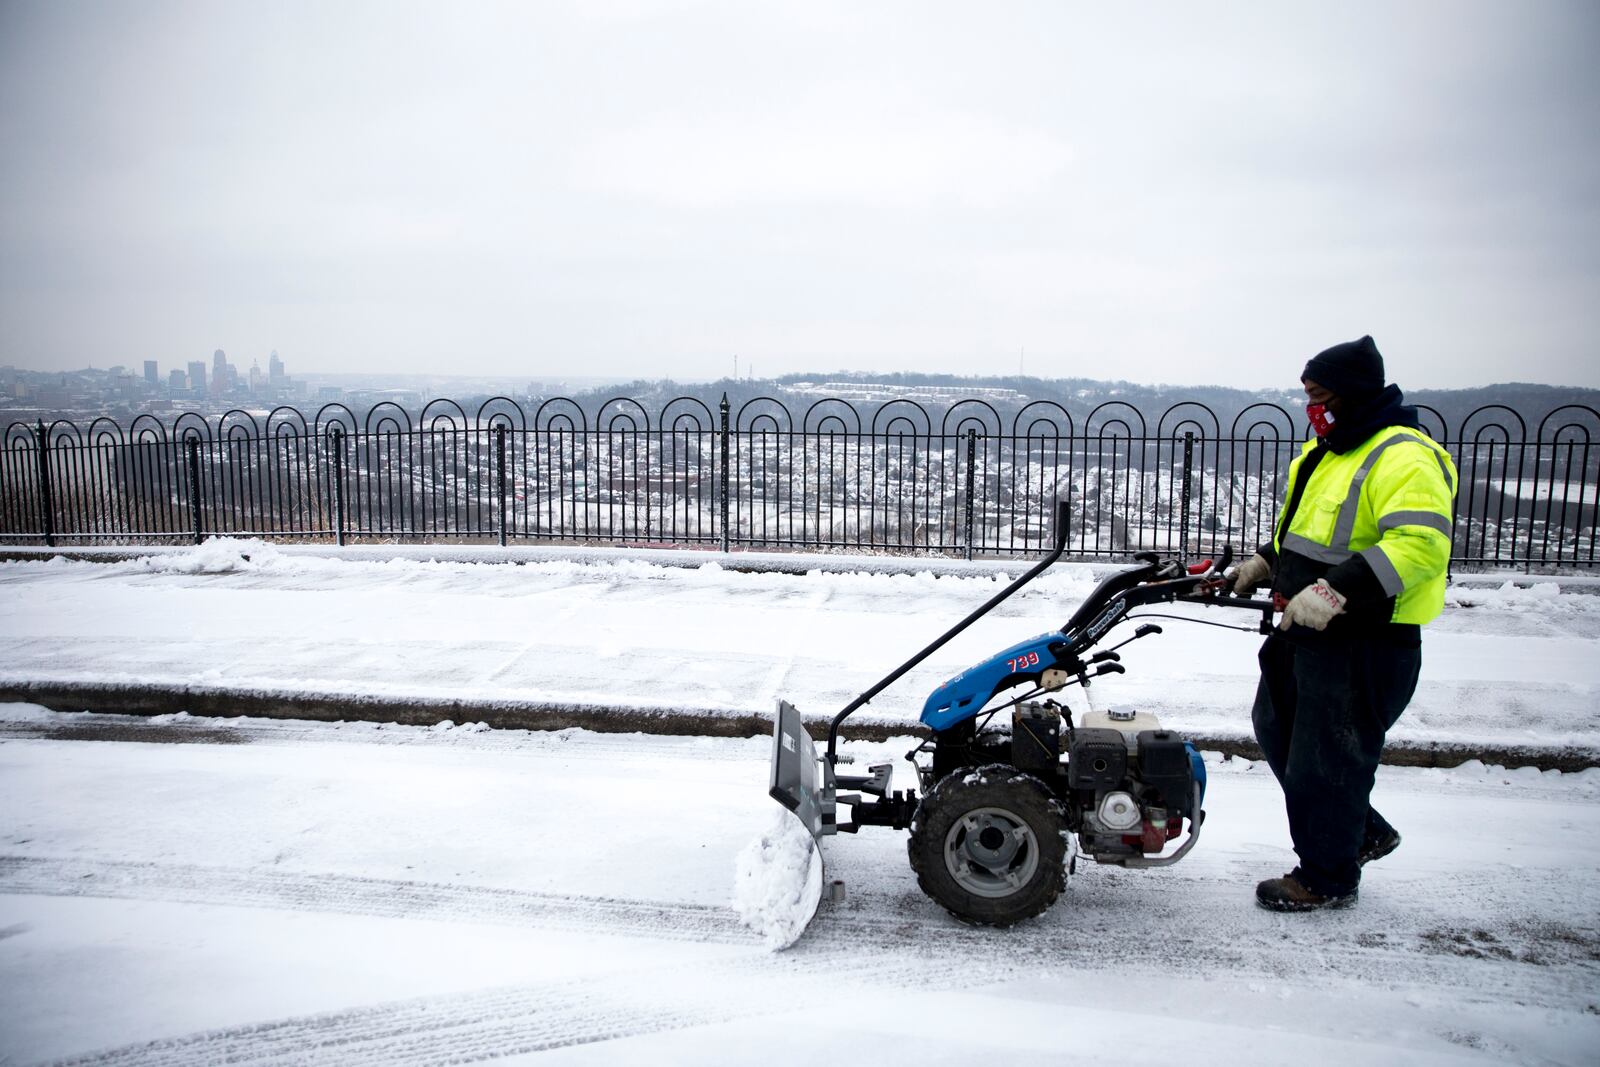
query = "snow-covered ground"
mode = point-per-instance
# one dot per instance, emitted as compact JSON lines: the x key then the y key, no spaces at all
{"x":367,"y":893}
{"x":360,"y":893}
{"x":1504,"y":667}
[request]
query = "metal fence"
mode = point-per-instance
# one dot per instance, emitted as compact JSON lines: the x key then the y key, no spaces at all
{"x":897,"y":476}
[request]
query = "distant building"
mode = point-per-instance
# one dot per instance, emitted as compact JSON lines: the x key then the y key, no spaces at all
{"x":177,"y":382}
{"x":197,"y":376}
{"x":255,"y":378}
{"x":275,"y":372}
{"x":224,"y":375}
{"x":151,"y":375}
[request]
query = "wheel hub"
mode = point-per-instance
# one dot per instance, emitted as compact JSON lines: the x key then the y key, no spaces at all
{"x":991,"y":852}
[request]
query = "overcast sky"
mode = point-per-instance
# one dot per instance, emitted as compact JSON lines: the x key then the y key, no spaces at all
{"x":1185,"y":193}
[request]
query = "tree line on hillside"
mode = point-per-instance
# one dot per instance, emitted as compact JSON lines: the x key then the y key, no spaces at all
{"x":1082,"y":396}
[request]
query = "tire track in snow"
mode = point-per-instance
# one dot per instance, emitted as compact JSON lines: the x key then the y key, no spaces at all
{"x":376,"y":897}
{"x":460,"y":1029}
{"x":1137,"y":923}
{"x":1439,"y":935}
{"x":521,"y":1019}
{"x":843,"y":952}
{"x":1125,"y":928}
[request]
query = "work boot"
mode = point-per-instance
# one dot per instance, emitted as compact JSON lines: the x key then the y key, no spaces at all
{"x":1375,"y":848}
{"x":1290,"y":894}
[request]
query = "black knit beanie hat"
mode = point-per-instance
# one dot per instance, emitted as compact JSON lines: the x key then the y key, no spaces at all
{"x":1351,"y":371}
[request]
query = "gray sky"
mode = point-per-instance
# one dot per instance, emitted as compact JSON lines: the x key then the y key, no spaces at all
{"x":1186,"y":193}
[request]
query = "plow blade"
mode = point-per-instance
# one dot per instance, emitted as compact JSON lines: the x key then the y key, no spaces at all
{"x":800,"y":781}
{"x":779,"y":876}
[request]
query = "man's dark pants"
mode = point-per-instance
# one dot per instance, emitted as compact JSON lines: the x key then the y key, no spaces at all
{"x":1322,"y":709}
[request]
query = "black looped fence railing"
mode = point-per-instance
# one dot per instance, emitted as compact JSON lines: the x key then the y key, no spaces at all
{"x":897,"y":476}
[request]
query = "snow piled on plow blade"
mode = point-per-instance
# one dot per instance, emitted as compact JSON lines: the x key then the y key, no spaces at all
{"x":778,"y":881}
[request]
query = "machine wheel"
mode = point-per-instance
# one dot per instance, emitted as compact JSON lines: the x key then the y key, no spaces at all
{"x":989,"y":845}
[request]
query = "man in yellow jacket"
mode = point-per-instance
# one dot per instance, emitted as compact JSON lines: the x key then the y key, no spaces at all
{"x":1359,"y":557}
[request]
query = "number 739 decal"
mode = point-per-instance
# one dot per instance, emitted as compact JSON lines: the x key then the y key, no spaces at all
{"x":1023,"y":662}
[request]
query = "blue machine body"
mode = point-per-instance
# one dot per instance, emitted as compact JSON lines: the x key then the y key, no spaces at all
{"x":964,"y":696}
{"x":1197,"y":767}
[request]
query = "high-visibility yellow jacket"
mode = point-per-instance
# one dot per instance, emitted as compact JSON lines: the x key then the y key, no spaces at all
{"x":1387,"y":503}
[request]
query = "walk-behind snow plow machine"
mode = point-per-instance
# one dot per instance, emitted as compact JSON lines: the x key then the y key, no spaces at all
{"x":1013,"y":790}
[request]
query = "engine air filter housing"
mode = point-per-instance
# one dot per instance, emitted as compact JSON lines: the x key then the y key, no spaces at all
{"x":1098,"y":760}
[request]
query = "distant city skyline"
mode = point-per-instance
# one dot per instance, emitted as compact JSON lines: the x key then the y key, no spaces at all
{"x":1161,"y":193}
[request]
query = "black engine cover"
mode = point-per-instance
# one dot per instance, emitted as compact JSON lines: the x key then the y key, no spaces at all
{"x":1098,"y":759}
{"x":1164,"y":767}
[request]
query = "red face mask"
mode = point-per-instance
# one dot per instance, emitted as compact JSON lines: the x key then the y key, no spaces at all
{"x":1321,"y":419}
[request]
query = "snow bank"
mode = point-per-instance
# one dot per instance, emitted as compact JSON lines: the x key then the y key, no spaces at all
{"x":450,"y":726}
{"x":216,"y":555}
{"x":777,"y":881}
{"x":1542,"y":596}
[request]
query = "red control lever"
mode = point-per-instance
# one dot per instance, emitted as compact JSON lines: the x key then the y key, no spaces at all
{"x":1201,"y":567}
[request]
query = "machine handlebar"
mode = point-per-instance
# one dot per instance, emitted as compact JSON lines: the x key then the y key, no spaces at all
{"x":1159,"y":580}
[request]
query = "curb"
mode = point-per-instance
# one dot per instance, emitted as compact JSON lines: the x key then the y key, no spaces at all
{"x":214,"y":702}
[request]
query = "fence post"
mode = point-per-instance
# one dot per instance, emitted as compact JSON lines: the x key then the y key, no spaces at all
{"x":192,"y":450}
{"x":723,"y":481}
{"x":1188,"y":472}
{"x":336,"y":438}
{"x":500,"y":475}
{"x":47,"y":503}
{"x":972,"y":464}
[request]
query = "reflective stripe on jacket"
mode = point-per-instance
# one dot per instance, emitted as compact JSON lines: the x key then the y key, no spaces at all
{"x":1388,"y":501}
